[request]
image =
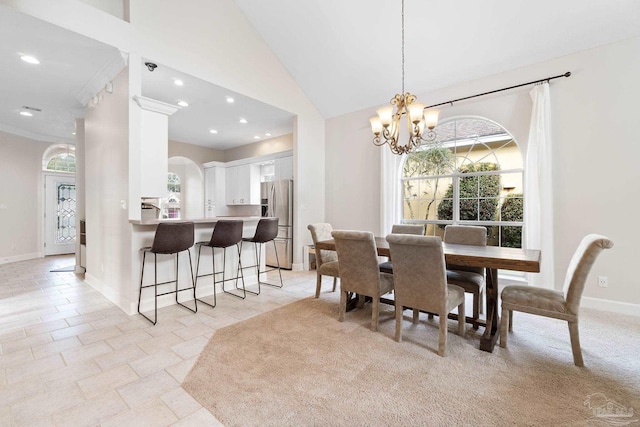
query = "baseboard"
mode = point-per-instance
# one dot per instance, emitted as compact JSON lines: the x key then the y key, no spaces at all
{"x":97,"y":284}
{"x":23,"y":257}
{"x":297,"y":267}
{"x":612,"y":306}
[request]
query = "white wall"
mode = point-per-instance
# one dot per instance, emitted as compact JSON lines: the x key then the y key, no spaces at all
{"x":197,"y":153}
{"x":21,"y":198}
{"x":109,"y":259}
{"x":268,"y":146}
{"x":595,"y":134}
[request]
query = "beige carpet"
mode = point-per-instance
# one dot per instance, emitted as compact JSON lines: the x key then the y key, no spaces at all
{"x":298,"y":366}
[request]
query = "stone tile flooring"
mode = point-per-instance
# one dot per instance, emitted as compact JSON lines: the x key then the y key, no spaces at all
{"x":69,"y":357}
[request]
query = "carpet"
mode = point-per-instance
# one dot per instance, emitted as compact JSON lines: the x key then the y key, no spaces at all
{"x":298,"y":366}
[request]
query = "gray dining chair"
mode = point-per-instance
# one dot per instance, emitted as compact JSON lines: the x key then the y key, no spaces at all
{"x":326,"y":261}
{"x":563,"y":305}
{"x":359,"y":273}
{"x":471,"y":279}
{"x":420,"y":283}
{"x":413,"y":229}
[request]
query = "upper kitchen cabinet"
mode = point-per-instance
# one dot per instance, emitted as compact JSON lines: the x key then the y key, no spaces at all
{"x":243,"y":185}
{"x":283,"y":168}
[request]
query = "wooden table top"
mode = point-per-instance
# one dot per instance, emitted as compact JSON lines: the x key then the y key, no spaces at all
{"x":492,"y":257}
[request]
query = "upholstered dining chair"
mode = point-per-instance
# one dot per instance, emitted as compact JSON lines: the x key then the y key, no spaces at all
{"x":563,"y":305}
{"x":471,"y":279}
{"x":326,"y":261}
{"x":421,"y":283}
{"x":359,"y":273}
{"x":414,"y":229}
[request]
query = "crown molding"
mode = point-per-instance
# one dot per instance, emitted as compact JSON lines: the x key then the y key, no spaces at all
{"x":155,"y":105}
{"x":104,"y":75}
{"x":34,"y":135}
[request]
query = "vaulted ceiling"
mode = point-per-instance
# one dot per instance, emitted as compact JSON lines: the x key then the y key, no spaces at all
{"x":344,"y":54}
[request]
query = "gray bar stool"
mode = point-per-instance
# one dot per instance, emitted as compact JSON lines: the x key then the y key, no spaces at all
{"x":226,"y":233}
{"x":266,"y":231}
{"x":170,"y":238}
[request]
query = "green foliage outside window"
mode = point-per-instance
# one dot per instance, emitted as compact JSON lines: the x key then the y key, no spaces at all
{"x":512,"y":210}
{"x":434,"y":161}
{"x":479,"y":195}
{"x":173,"y":183}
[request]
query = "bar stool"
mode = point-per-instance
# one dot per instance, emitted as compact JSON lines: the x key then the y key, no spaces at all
{"x":170,"y":238}
{"x":226,"y":233}
{"x":266,"y":231}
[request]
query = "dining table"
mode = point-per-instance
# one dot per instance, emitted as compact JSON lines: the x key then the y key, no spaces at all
{"x":491,"y":258}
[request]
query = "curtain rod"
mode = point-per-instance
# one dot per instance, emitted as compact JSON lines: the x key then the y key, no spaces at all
{"x":567,"y":74}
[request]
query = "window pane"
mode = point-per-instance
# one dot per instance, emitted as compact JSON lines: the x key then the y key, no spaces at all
{"x":511,"y":236}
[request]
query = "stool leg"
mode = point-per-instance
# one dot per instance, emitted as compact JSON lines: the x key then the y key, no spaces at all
{"x":239,"y":270}
{"x":256,"y":256}
{"x":224,"y":279}
{"x":195,"y":280}
{"x":177,"y":284}
{"x":144,"y":256}
{"x":275,"y":248}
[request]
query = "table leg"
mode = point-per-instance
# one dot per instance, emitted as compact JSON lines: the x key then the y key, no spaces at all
{"x":492,"y":330}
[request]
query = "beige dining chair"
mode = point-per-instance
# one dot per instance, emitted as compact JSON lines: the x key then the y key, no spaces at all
{"x":359,"y":273}
{"x":563,"y":305}
{"x":326,"y":261}
{"x":471,"y":279}
{"x":421,"y":283}
{"x":414,"y":229}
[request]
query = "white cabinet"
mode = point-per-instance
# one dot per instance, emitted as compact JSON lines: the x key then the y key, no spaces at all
{"x":243,"y":185}
{"x":283,"y":168}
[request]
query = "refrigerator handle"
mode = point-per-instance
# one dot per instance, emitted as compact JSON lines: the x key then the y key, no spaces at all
{"x":272,"y":200}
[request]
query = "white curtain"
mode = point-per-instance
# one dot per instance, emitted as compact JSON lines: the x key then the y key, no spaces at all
{"x":390,"y":195}
{"x":538,"y":201}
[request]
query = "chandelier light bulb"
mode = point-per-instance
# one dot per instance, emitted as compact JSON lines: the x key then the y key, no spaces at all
{"x":416,"y":111}
{"x":431,"y":118}
{"x":386,"y":115}
{"x":376,"y":125}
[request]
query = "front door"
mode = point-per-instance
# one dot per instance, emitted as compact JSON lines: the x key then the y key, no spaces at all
{"x":60,"y":215}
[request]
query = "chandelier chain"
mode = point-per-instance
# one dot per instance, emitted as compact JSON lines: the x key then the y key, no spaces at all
{"x":402,"y":93}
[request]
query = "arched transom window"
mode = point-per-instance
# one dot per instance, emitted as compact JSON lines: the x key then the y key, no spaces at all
{"x":59,"y":158}
{"x":473,"y":175}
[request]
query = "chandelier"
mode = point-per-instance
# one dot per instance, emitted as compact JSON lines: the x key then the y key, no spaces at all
{"x":420,"y":123}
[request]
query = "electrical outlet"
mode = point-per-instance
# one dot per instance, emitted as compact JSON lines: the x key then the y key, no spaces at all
{"x":602,"y":281}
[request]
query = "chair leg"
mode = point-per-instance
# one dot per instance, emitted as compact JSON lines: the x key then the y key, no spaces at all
{"x":510,"y":320}
{"x":575,"y":344}
{"x":360,"y":302}
{"x":193,"y":310}
{"x":416,"y":316}
{"x":319,"y":284}
{"x":442,"y":335}
{"x":335,"y":281}
{"x":506,"y":319}
{"x":399,"y":309}
{"x":343,"y":306}
{"x":480,"y":302}
{"x":461,"y":319}
{"x":375,"y":303}
{"x":477,"y":301}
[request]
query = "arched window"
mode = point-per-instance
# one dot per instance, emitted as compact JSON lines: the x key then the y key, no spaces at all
{"x":171,"y":204}
{"x":59,"y":158}
{"x":473,"y":175}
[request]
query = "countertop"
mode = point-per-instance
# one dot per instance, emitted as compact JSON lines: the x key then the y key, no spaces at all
{"x":194,"y":220}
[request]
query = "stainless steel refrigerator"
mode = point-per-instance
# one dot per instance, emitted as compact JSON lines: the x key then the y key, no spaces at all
{"x":277,"y":201}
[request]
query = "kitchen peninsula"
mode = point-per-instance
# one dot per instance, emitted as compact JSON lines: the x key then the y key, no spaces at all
{"x":143,"y":232}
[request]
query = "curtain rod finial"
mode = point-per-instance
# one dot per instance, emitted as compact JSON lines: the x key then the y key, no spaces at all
{"x":567,"y":74}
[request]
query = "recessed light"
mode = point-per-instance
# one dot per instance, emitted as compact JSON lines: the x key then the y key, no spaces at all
{"x":183,"y":103}
{"x":30,"y":59}
{"x":213,"y":131}
{"x":230,"y":100}
{"x":244,"y":121}
{"x":26,"y":114}
{"x":256,"y":137}
{"x":267,"y":134}
{"x":73,"y":133}
{"x":178,"y":82}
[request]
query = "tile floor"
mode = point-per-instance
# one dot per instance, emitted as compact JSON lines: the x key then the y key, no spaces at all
{"x":68,"y":357}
